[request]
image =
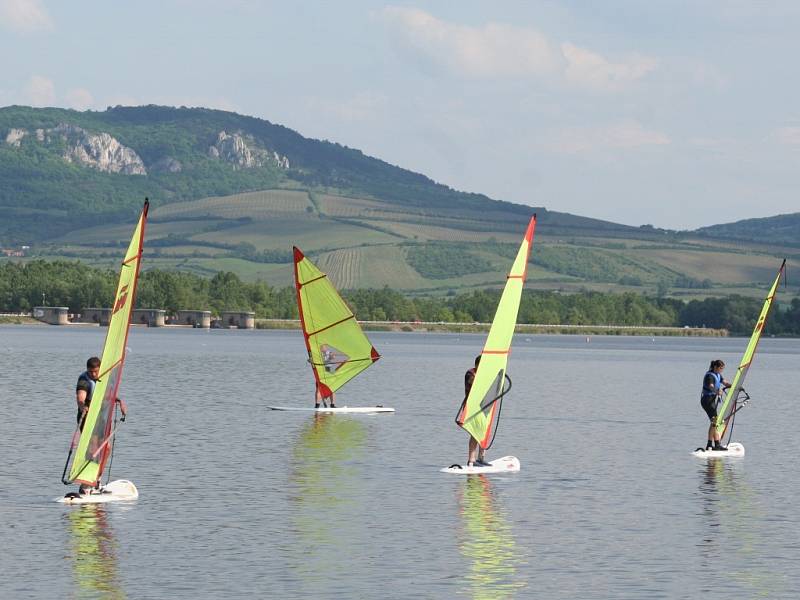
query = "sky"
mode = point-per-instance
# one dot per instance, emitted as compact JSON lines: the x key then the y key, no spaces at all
{"x":677,"y":113}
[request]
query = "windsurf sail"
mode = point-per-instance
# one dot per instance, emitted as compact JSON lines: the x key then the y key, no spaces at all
{"x":96,"y":434}
{"x":337,"y":348}
{"x":479,"y":411}
{"x":730,"y":405}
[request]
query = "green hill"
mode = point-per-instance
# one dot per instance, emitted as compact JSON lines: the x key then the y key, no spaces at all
{"x":52,"y":178}
{"x":234,"y":193}
{"x":780,"y":229}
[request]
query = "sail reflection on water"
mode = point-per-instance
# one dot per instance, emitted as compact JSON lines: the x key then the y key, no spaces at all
{"x":324,"y":492}
{"x":94,"y":553}
{"x":487,"y":542}
{"x":731,"y":532}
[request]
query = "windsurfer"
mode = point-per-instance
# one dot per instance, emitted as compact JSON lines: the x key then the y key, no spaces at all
{"x":713,"y":385}
{"x":330,"y":366}
{"x":83,"y":396}
{"x":83,"y":391}
{"x":475,"y":455}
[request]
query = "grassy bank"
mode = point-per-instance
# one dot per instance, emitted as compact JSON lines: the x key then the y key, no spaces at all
{"x":521,"y":328}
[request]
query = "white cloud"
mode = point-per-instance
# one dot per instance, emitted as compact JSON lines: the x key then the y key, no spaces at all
{"x":40,"y":91}
{"x":500,"y":50}
{"x":492,"y":50}
{"x":623,"y":135}
{"x":24,"y":16}
{"x":589,"y":69}
{"x":79,"y":99}
{"x":789,"y":135}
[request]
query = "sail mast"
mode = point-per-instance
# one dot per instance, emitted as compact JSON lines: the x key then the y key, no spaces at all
{"x":480,"y":409}
{"x":337,"y":348}
{"x":93,"y":446}
{"x":744,"y":366}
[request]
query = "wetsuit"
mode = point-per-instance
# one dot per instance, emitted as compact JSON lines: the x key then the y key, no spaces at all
{"x":469,"y":379}
{"x":86,"y":384}
{"x":712,"y":383}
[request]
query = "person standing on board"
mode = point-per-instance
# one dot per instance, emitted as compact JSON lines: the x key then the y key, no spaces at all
{"x":475,"y":455}
{"x":713,"y":385}
{"x":330,"y":367}
{"x":83,"y":396}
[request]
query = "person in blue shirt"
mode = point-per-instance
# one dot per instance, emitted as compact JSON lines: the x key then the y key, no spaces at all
{"x":713,"y":386}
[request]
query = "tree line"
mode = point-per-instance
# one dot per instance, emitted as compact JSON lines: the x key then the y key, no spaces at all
{"x":77,"y":286}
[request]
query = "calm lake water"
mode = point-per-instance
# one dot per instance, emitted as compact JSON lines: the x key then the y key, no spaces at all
{"x":238,"y":501}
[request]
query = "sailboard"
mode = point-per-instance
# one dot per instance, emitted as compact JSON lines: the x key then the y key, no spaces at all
{"x":337,"y":348}
{"x":92,"y":442}
{"x":506,"y":464}
{"x":119,"y":489}
{"x":737,"y":398}
{"x":336,"y":409}
{"x":479,"y":413}
{"x":733,"y":449}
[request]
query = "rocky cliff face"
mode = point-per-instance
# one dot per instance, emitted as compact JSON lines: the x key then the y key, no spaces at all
{"x":103,"y":152}
{"x":243,"y":152}
{"x":96,"y":150}
{"x":167,"y":165}
{"x":14,"y":137}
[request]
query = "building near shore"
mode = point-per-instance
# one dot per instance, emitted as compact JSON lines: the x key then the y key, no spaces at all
{"x":52,"y":315}
{"x":240,"y":320}
{"x":195,"y":318}
{"x":101,"y":316}
{"x":152,"y":317}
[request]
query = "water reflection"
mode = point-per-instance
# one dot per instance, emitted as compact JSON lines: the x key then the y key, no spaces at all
{"x":94,"y":553}
{"x":729,"y":544}
{"x":487,"y":542}
{"x":324,"y":486}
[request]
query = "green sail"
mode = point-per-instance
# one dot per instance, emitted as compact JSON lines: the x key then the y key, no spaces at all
{"x":738,"y":380}
{"x":337,"y":348}
{"x":94,"y":444}
{"x":479,"y":411}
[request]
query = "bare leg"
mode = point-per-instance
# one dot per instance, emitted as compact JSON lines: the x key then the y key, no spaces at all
{"x":473,"y":450}
{"x":332,"y":400}
{"x":713,"y":434}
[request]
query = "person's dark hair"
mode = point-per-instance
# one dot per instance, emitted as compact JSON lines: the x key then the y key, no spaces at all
{"x":715,"y":364}
{"x":92,"y":363}
{"x":477,"y":360}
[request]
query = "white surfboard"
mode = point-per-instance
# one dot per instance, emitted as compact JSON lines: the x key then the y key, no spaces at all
{"x":115,"y":491}
{"x":338,"y":409}
{"x":735,"y":449}
{"x":506,"y":464}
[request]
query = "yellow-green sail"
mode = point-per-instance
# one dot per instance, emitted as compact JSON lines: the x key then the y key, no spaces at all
{"x":479,"y":410}
{"x":738,"y":380}
{"x":337,"y":348}
{"x":94,"y":444}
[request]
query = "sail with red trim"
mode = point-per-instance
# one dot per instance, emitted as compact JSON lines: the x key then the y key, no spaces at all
{"x":479,"y":412}
{"x":337,"y":348}
{"x":729,"y":406}
{"x":94,"y":443}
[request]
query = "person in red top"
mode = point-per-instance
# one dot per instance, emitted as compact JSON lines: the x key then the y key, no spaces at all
{"x":475,"y":455}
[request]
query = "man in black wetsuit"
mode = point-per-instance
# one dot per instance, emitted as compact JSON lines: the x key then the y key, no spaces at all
{"x":83,"y":396}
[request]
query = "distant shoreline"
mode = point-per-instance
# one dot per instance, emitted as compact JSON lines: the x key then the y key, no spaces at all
{"x":441,"y":327}
{"x":531,"y":328}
